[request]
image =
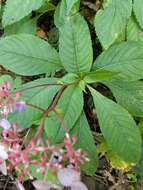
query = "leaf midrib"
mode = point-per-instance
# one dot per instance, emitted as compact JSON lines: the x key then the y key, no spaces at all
{"x":75,"y":48}
{"x":117,"y":63}
{"x":23,"y":55}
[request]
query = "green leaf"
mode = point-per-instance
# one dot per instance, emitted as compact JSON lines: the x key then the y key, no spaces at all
{"x":75,"y":46}
{"x":4,"y":78}
{"x":117,"y":163}
{"x":97,"y":76}
{"x":25,"y":25}
{"x":110,"y":22}
{"x":39,"y":96}
{"x":38,"y":175}
{"x":69,"y":78}
{"x":70,"y":4}
{"x":69,"y":109}
{"x":0,"y":9}
{"x":134,"y":32}
{"x":18,"y":9}
{"x":125,"y":58}
{"x":129,"y":95}
{"x":138,"y":10}
{"x":60,"y":14}
{"x":35,"y":173}
{"x":118,"y":128}
{"x":139,"y":168}
{"x":26,"y":54}
{"x":65,"y":10}
{"x":86,"y":143}
{"x":140,"y":125}
{"x":46,"y":7}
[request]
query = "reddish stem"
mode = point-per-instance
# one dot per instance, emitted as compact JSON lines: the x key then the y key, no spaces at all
{"x":55,"y":100}
{"x":40,"y":129}
{"x":48,"y":110}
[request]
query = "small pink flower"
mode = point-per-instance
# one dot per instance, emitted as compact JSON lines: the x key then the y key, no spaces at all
{"x":5,"y":124}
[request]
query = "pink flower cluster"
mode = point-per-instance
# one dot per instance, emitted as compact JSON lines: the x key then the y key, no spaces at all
{"x":9,"y":103}
{"x":52,"y":157}
{"x":9,"y":100}
{"x":19,"y":158}
{"x":20,"y":154}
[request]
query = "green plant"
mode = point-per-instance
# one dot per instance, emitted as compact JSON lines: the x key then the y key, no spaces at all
{"x":119,"y":67}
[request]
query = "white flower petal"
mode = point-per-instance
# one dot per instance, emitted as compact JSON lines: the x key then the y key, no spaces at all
{"x":5,"y":124}
{"x":78,"y":186}
{"x":3,"y":153}
{"x":67,"y":176}
{"x":45,"y":185}
{"x":3,"y":168}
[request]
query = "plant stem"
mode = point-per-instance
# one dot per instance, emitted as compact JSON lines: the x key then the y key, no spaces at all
{"x":55,"y":100}
{"x":48,"y":110}
{"x":40,"y":129}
